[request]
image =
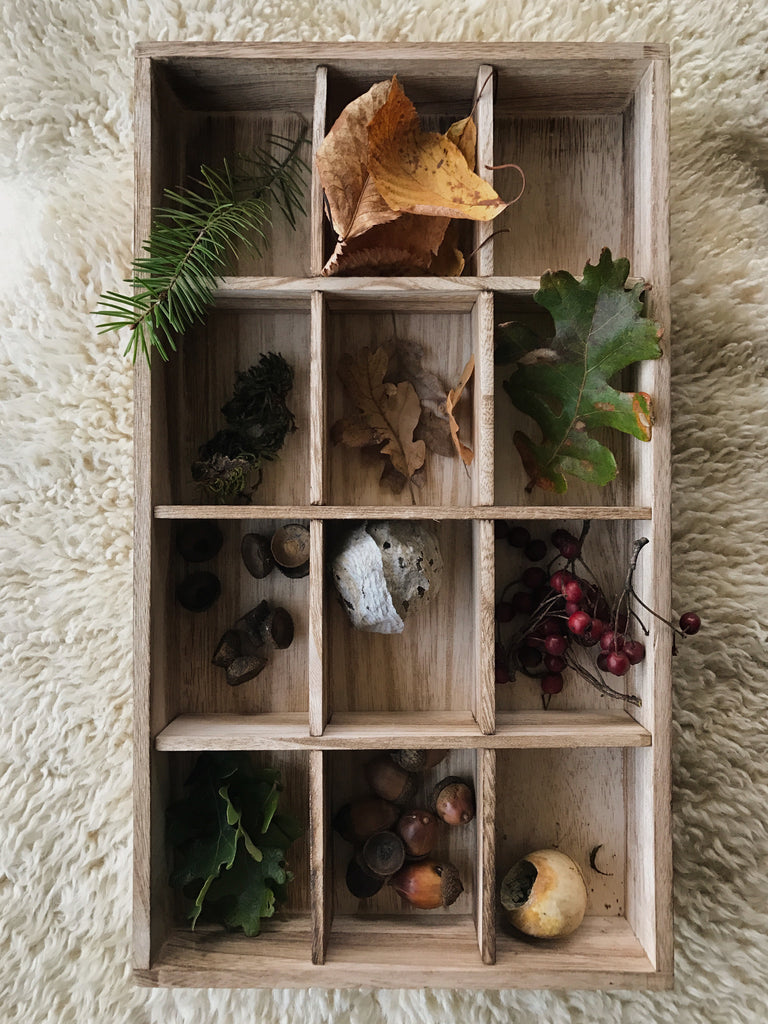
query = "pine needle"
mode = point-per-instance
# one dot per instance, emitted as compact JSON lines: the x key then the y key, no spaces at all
{"x":193,"y":240}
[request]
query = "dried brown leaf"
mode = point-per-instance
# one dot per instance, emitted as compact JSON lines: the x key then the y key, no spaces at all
{"x":402,"y":246}
{"x":465,"y":454}
{"x":342,"y":163}
{"x":423,"y":172}
{"x":391,"y":410}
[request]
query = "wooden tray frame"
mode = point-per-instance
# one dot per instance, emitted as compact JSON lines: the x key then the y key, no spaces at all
{"x":621,"y":90}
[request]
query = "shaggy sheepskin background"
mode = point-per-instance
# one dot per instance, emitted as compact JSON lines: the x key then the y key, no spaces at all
{"x":66,"y":195}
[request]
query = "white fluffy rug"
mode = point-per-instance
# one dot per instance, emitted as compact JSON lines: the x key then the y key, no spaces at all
{"x":66,"y":489}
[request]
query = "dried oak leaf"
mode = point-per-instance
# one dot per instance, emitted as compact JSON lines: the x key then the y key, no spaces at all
{"x":342,"y":163}
{"x":599,"y":330}
{"x":407,"y":363}
{"x":464,"y":452}
{"x":389,"y":411}
{"x":423,"y":172}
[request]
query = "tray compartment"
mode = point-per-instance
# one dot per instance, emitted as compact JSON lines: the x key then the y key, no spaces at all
{"x":632,"y":485}
{"x":184,"y":642}
{"x":215,"y":114}
{"x":286,"y":935}
{"x":607,"y":550}
{"x":430,"y":666}
{"x":200,"y":379}
{"x":457,"y":844}
{"x":575,"y":801}
{"x":447,"y":340}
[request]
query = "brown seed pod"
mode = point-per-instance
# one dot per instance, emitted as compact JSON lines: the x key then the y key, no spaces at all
{"x":245,"y":668}
{"x":199,"y":540}
{"x":428,"y":884}
{"x":388,"y":780}
{"x":418,"y":830}
{"x":277,"y":628}
{"x":383,"y":854}
{"x":358,"y":820}
{"x":418,"y":760}
{"x":454,"y":801}
{"x":290,"y":550}
{"x":257,"y":555}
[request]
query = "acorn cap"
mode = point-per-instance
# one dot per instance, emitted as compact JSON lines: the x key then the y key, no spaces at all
{"x":383,"y":854}
{"x":290,"y":550}
{"x":418,"y":760}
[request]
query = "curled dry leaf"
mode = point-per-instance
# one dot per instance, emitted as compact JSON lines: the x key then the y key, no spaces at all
{"x":342,"y":162}
{"x":465,"y":453}
{"x":388,"y":412}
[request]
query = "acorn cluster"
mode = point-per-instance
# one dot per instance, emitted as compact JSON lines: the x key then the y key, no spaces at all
{"x":394,"y":841}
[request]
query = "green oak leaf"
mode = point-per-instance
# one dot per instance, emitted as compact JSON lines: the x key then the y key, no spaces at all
{"x":226,"y":875}
{"x":564,"y":387}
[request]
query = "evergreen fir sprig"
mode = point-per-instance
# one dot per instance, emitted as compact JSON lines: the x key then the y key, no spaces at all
{"x":193,"y":239}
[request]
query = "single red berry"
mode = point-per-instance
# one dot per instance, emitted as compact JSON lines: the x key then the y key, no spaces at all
{"x":596,"y":629}
{"x":504,"y":612}
{"x":617,"y":663}
{"x":610,"y":641}
{"x":553,"y":663}
{"x":502,"y":675}
{"x":552,"y":682}
{"x":534,"y":577}
{"x":602,"y":661}
{"x":572,"y":591}
{"x":571,"y":607}
{"x":579,"y":622}
{"x":690,"y":623}
{"x":518,"y":536}
{"x":559,"y":536}
{"x":570,"y":549}
{"x":558,"y":580}
{"x":635,"y":651}
{"x":556,"y":644}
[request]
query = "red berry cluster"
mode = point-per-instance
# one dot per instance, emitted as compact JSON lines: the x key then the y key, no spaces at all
{"x":562,"y":608}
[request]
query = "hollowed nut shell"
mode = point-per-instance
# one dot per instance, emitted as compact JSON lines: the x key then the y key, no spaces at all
{"x":550,"y":903}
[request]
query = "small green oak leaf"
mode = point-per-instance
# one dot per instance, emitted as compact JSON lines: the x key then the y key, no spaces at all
{"x":599,"y":330}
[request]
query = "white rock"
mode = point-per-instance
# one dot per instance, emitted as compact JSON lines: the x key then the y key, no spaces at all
{"x":385,"y":571}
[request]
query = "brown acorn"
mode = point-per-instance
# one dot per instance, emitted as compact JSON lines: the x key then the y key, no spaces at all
{"x":362,"y":883}
{"x":418,"y":760}
{"x":428,"y":884}
{"x":454,"y":801}
{"x":358,"y":820}
{"x":418,"y":830}
{"x":388,"y":780}
{"x":383,"y":854}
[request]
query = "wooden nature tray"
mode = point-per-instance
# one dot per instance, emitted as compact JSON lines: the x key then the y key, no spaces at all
{"x":588,"y":123}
